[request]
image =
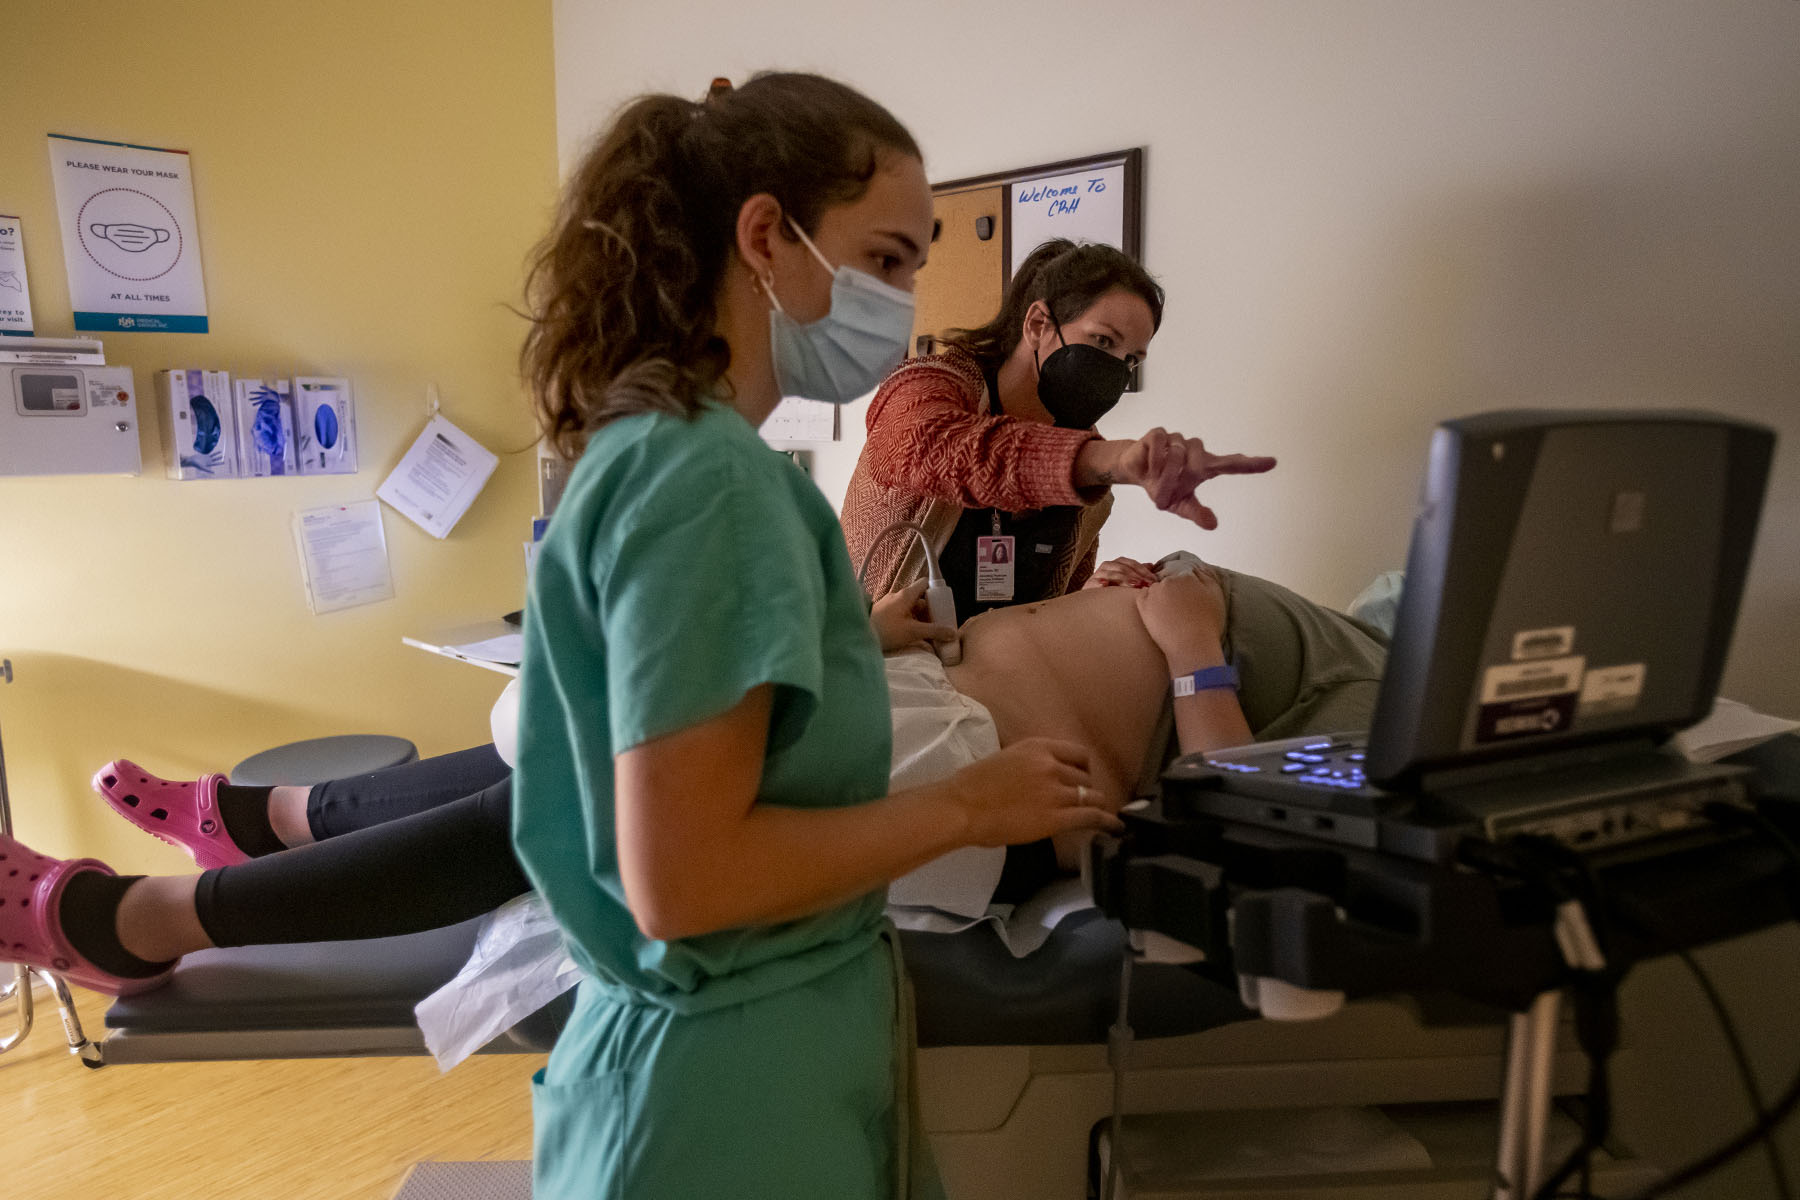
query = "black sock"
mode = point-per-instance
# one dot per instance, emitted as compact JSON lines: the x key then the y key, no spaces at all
{"x":246,"y":814}
{"x":89,"y":914}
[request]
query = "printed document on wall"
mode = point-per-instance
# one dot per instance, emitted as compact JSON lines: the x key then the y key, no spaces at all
{"x":343,"y":555}
{"x":15,"y":288}
{"x":130,"y":238}
{"x":439,"y":478}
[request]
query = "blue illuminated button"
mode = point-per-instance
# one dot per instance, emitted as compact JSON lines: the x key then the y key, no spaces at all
{"x":1290,"y":768}
{"x":1357,"y":756}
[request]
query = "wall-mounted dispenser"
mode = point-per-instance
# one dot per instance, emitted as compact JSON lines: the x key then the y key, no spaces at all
{"x":68,"y":420}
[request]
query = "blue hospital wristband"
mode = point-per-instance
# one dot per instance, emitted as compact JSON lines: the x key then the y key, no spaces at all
{"x":1207,"y":679}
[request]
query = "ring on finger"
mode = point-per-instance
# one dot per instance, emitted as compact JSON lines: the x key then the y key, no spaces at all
{"x":1081,"y":793}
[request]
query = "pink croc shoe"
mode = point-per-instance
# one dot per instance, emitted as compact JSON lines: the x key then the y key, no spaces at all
{"x":181,"y":814}
{"x":31,"y":887}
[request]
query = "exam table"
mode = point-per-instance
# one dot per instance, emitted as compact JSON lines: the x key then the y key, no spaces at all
{"x":1012,"y":1065}
{"x":1012,"y":1069}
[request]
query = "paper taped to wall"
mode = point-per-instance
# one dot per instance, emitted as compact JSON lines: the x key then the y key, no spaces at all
{"x":343,"y":556}
{"x":439,"y":478}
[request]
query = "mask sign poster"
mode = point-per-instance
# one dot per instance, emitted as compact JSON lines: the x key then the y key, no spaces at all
{"x":130,"y":239}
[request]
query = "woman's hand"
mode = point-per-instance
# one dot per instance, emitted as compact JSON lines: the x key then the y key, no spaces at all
{"x":1033,"y":789}
{"x":902,"y":620}
{"x":1185,"y":616}
{"x":1121,"y":572}
{"x":1169,"y":466}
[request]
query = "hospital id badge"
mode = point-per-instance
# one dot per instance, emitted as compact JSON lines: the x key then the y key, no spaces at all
{"x":993,"y":570}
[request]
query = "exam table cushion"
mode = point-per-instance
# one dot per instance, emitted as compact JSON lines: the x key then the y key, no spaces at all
{"x":970,"y":990}
{"x":372,"y":983}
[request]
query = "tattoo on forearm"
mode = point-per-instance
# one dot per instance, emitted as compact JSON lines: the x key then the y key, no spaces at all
{"x":1105,"y":479}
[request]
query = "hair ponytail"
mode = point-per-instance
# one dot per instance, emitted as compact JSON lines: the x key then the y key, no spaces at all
{"x":621,"y":294}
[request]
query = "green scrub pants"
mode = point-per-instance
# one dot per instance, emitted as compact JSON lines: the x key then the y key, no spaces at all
{"x":804,"y":1093}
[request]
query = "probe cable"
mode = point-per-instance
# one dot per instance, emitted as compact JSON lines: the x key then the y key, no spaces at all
{"x":1784,"y":1104}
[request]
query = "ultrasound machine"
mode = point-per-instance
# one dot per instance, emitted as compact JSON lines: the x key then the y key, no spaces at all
{"x":1515,"y":825}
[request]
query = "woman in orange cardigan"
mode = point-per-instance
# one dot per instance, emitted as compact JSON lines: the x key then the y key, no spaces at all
{"x":994,"y":439}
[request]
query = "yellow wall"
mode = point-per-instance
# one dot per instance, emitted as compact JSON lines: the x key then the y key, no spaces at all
{"x":368,"y":177}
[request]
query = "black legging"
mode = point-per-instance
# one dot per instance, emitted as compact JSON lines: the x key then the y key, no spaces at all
{"x":347,"y":805}
{"x":403,"y":850}
{"x":412,"y":848}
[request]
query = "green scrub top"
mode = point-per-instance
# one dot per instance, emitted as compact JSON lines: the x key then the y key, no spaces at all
{"x":688,"y":563}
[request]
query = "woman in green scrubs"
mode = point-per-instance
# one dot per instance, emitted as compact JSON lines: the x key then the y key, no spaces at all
{"x":704,"y":737}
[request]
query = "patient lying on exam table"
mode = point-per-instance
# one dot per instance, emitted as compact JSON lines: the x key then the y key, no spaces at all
{"x":413,"y":848}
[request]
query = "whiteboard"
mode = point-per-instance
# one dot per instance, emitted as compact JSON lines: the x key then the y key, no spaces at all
{"x":1083,"y":206}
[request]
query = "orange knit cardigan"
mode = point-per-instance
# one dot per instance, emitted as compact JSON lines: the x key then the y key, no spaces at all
{"x":934,"y":450}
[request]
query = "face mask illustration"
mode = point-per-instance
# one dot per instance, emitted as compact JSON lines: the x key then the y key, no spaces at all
{"x":133,"y":239}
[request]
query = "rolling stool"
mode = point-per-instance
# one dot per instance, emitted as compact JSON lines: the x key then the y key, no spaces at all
{"x":318,"y":760}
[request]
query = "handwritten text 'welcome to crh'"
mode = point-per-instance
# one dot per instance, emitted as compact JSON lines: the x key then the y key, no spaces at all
{"x":1064,"y":199}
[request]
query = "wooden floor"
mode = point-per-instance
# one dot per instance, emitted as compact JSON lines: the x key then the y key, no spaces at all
{"x":343,"y":1129}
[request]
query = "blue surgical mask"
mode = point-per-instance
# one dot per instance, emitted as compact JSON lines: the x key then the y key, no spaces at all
{"x":847,"y":352}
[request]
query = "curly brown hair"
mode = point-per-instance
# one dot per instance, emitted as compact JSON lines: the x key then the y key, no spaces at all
{"x":621,"y":294}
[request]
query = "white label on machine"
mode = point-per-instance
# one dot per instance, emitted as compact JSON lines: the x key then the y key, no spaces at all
{"x":1611,"y":689}
{"x":1523,"y":681}
{"x":65,"y":399}
{"x":1543,"y":643}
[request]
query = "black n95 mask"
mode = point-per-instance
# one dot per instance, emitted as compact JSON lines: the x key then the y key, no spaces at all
{"x":1079,"y":384}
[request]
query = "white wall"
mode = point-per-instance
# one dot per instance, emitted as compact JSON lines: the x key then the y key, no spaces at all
{"x":1370,"y":215}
